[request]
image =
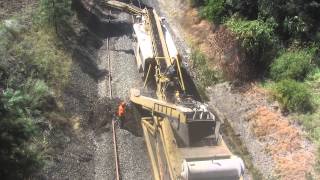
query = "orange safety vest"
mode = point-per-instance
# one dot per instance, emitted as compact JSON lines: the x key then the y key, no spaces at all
{"x":121,"y":110}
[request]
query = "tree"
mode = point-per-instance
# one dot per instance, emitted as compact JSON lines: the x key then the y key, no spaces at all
{"x":245,"y":8}
{"x":296,"y":19}
{"x":213,"y":10}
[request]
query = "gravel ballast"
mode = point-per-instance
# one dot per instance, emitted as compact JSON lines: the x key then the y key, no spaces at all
{"x":85,"y":150}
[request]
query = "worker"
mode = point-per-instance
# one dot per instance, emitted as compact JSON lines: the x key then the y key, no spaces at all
{"x":121,"y":113}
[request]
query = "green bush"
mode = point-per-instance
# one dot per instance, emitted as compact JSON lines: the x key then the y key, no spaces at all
{"x":213,"y":10}
{"x":205,"y":75}
{"x":33,"y":63}
{"x":292,"y":65}
{"x":257,"y":39}
{"x":17,"y":126}
{"x":296,"y":19}
{"x":293,"y":96}
{"x":313,"y":79}
{"x":253,"y":34}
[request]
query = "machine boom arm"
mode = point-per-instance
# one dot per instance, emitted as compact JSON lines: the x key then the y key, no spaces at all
{"x":125,"y":7}
{"x":160,"y":107}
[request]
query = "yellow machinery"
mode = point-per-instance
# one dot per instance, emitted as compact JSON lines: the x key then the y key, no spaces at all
{"x":181,"y":134}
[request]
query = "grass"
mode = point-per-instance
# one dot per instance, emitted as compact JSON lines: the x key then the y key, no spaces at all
{"x":293,"y":96}
{"x":44,"y":51}
{"x":205,"y":76}
{"x":34,"y":69}
{"x":292,"y":65}
{"x":252,"y":33}
{"x":310,"y":121}
{"x":311,"y":124}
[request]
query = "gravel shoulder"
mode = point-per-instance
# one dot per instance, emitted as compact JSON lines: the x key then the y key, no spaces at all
{"x":236,"y":109}
{"x":133,"y":156}
{"x":84,"y":149}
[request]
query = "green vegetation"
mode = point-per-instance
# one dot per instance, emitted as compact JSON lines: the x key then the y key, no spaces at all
{"x":53,"y":13}
{"x":213,"y":10}
{"x":281,"y":40}
{"x":43,"y":51}
{"x":294,"y":20}
{"x":19,"y":110}
{"x":34,"y":68}
{"x":205,"y":77}
{"x":256,"y":37}
{"x":265,"y":26}
{"x":253,"y":34}
{"x":293,"y":95}
{"x":311,"y":121}
{"x":295,"y":64}
{"x":289,"y":67}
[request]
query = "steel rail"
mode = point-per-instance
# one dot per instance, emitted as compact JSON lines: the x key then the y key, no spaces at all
{"x":115,"y":147}
{"x":114,"y":134}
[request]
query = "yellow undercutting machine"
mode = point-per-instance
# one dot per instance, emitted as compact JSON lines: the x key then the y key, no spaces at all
{"x":182,"y":135}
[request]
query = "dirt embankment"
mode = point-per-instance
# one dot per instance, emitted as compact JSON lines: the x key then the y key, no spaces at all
{"x":277,"y":148}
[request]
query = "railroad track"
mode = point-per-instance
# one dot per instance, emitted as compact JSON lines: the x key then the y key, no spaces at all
{"x":114,"y":133}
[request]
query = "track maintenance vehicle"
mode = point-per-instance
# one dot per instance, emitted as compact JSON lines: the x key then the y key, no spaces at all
{"x":182,"y":135}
